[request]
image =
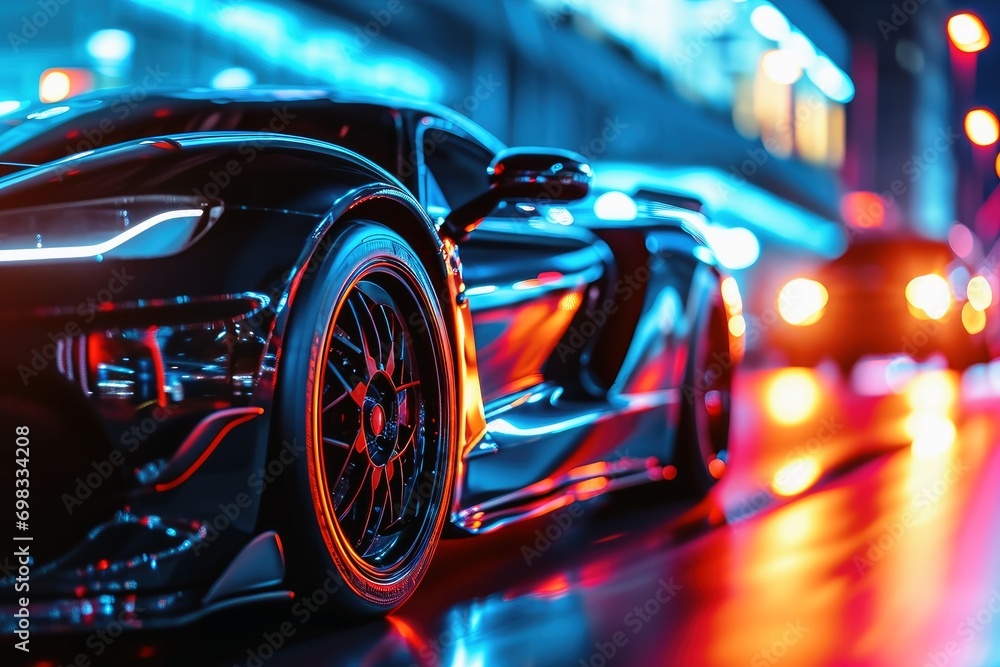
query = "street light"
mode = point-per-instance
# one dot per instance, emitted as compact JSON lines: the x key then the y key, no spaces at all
{"x":968,"y":33}
{"x":969,"y":36}
{"x":982,"y":127}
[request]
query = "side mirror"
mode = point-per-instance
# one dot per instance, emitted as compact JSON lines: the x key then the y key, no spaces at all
{"x":523,"y":174}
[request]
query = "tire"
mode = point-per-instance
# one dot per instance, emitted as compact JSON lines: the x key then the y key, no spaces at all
{"x":706,"y":403}
{"x":366,"y":501}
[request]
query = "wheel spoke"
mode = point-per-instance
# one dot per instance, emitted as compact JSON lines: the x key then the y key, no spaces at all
{"x":390,"y":364}
{"x":337,"y":443}
{"x":351,"y":496}
{"x":406,"y":437}
{"x":409,"y":385}
{"x":349,"y":482}
{"x":357,"y":392}
{"x":369,"y":307}
{"x":381,"y":544}
{"x":335,"y":401}
{"x":373,"y":520}
{"x":346,"y":342}
{"x":366,"y":330}
{"x":409,"y":504}
{"x":396,"y":483}
{"x":379,"y":505}
{"x":351,"y":359}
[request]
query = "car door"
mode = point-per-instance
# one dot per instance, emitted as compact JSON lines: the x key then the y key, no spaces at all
{"x":526,"y":280}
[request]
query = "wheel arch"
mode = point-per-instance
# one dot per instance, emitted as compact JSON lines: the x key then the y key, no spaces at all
{"x":397,"y":210}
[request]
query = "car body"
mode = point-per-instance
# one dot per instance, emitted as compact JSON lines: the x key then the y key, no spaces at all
{"x":888,"y":295}
{"x":760,"y":238}
{"x":219,"y":296}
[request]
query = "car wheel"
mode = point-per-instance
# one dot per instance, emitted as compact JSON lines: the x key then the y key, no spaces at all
{"x":367,"y":385}
{"x":703,"y":435}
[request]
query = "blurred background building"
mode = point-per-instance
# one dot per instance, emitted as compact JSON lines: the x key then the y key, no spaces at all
{"x":793,"y":120}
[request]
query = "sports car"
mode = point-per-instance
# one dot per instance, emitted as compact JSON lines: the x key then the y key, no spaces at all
{"x":265,"y":343}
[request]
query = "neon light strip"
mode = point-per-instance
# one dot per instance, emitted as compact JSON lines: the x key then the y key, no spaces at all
{"x":79,"y":252}
{"x":219,"y":437}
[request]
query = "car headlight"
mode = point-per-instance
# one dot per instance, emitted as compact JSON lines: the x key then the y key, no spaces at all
{"x":801,"y":301}
{"x":124,"y":228}
{"x":929,"y":296}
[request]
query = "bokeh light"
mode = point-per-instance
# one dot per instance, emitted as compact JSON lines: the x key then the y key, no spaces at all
{"x":979,"y":293}
{"x":781,"y":67}
{"x":982,"y":127}
{"x":768,"y":20}
{"x":731,"y":296}
{"x":54,"y":86}
{"x":111,"y":46}
{"x":796,"y":476}
{"x":930,"y":295}
{"x":792,"y":395}
{"x":932,"y":392}
{"x":973,"y":320}
{"x":737,"y":325}
{"x":932,"y":434}
{"x":801,"y":301}
{"x":968,"y":33}
{"x":960,"y":238}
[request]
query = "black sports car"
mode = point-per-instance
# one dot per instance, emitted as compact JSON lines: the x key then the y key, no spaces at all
{"x":237,"y":333}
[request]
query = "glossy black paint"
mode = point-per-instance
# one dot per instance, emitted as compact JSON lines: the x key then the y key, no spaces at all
{"x":570,"y":336}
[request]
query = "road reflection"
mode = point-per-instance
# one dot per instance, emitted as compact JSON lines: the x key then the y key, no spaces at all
{"x":850,"y":529}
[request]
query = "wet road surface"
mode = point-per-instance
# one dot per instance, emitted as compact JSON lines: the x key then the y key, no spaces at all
{"x":850,"y":529}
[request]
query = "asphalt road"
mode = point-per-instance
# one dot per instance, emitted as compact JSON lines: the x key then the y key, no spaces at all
{"x":849,"y":529}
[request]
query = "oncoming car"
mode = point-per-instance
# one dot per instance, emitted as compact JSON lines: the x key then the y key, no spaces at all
{"x":256,"y":356}
{"x":888,"y":295}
